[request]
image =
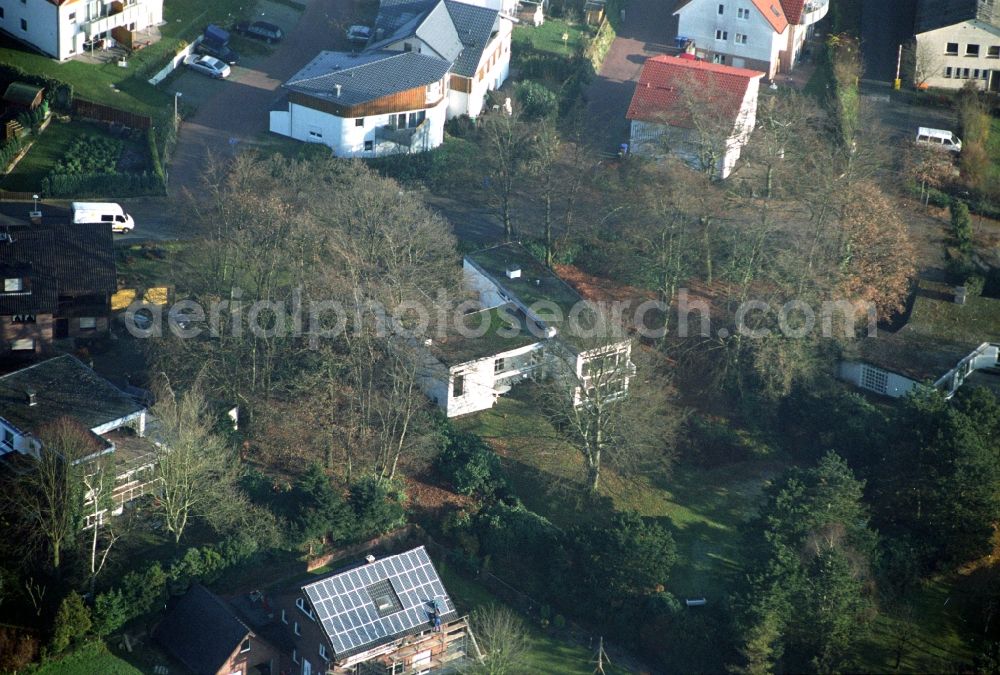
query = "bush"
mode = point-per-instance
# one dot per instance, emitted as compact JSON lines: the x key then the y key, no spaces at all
{"x":110,"y":612}
{"x":961,"y":225}
{"x":18,"y":649}
{"x":318,"y":508}
{"x":469,"y":464}
{"x":9,"y":150}
{"x":974,"y":285}
{"x":378,"y":507}
{"x":537,"y":101}
{"x":144,"y":591}
{"x":71,"y":623}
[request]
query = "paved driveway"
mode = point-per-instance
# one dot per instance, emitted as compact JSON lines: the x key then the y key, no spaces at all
{"x":238,"y":113}
{"x":649,"y":29}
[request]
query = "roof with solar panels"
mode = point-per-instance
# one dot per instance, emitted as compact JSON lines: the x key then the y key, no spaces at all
{"x":378,"y":602}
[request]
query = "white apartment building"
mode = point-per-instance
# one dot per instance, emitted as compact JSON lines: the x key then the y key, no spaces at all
{"x":64,"y":28}
{"x":958,"y":41}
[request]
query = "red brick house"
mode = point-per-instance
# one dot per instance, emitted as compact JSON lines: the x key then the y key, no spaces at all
{"x":390,"y":615}
{"x":205,"y":634}
{"x":57,"y":282}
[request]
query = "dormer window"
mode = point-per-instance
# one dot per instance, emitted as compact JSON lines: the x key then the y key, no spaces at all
{"x":13,"y":285}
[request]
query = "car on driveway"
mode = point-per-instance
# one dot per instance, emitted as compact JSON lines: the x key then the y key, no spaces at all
{"x":207,"y":65}
{"x":359,"y":35}
{"x":260,"y":30}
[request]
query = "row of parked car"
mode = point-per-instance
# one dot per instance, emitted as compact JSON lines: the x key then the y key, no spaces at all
{"x":213,"y":56}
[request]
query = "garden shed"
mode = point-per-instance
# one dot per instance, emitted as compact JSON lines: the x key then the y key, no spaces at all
{"x":23,"y":96}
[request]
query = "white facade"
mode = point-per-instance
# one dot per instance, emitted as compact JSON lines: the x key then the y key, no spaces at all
{"x":361,"y":136}
{"x":739,"y":36}
{"x":646,"y":137}
{"x":888,"y":383}
{"x":63,"y":31}
{"x":953,"y":55}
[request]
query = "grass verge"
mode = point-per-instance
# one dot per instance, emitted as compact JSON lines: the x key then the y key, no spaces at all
{"x":548,"y":38}
{"x":92,"y":658}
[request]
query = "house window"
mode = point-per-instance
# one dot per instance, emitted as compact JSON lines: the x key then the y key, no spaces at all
{"x":458,"y":386}
{"x":722,"y":35}
{"x":499,"y":366}
{"x":72,"y":17}
{"x":975,"y":74}
{"x":284,"y":617}
{"x":407,"y":47}
{"x":301,"y":604}
{"x":947,"y":71}
{"x":874,"y":379}
{"x":22,"y":345}
{"x":13,"y":285}
{"x":315,"y":133}
{"x":295,"y":655}
{"x":245,"y":647}
{"x":8,"y":438}
{"x":295,"y":628}
{"x":965,"y":73}
{"x":991,"y":52}
{"x":951,"y":49}
{"x":88,"y":323}
{"x":369,"y":146}
{"x":743,"y":13}
{"x":722,"y":9}
{"x":1,"y":12}
{"x":322,"y":652}
{"x":360,"y":122}
{"x":986,"y":74}
{"x":741,"y":39}
{"x":972,"y":50}
{"x":24,"y":24}
{"x":719,"y":58}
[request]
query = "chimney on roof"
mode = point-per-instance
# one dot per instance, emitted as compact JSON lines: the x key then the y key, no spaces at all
{"x":30,"y":397}
{"x":513,"y":271}
{"x":369,"y":558}
{"x":336,"y":88}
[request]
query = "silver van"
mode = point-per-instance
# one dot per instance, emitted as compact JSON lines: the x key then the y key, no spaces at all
{"x":939,"y":138}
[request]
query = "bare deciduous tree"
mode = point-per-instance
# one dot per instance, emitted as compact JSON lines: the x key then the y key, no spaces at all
{"x":503,"y":639}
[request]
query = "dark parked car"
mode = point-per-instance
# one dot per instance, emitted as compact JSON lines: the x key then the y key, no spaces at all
{"x":260,"y":30}
{"x":215,"y":42}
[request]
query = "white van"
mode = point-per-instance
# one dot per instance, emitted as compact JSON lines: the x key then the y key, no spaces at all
{"x":939,"y":138}
{"x":101,"y":212}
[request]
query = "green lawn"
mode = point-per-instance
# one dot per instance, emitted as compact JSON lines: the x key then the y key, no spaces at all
{"x":51,"y":146}
{"x":127,"y":88}
{"x":549,"y":652}
{"x":548,"y":37}
{"x":89,"y":660}
{"x":703,"y":508}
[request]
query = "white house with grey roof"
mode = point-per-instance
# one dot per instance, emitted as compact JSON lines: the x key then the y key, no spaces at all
{"x":427,"y":61}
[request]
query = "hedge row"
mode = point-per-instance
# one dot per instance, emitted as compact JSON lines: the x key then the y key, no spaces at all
{"x":978,"y":205}
{"x":9,"y":150}
{"x":103,"y":184}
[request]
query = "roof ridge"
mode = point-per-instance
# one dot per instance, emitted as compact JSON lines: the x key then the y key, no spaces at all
{"x":35,"y":365}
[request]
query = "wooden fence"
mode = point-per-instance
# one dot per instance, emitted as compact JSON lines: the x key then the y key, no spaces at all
{"x":105,"y":113}
{"x":8,"y":196}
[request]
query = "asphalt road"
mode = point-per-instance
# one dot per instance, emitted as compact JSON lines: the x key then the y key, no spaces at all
{"x":155,"y":217}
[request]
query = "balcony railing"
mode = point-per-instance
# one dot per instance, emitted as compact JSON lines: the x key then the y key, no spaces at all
{"x":813,"y":11}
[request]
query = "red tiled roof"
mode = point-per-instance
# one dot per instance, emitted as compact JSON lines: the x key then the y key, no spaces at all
{"x":659,"y":93}
{"x":772,"y":10}
{"x":793,"y":10}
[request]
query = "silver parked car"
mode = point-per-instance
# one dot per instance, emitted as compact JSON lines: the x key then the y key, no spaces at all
{"x":207,"y":65}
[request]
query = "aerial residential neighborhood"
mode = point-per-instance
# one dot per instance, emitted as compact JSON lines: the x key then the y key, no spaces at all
{"x":499,"y":336}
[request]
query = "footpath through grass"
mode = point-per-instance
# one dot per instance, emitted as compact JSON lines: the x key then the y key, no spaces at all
{"x":703,"y":508}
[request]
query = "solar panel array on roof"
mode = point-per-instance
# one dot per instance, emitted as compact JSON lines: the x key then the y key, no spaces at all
{"x":359,"y":610}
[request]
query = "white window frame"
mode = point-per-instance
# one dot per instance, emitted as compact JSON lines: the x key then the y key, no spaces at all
{"x":322,"y":652}
{"x":722,"y":9}
{"x":721,"y":35}
{"x":22,"y":345}
{"x":741,"y":38}
{"x":295,"y":628}
{"x":13,"y":285}
{"x":284,"y":617}
{"x":247,"y":643}
{"x":743,"y":13}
